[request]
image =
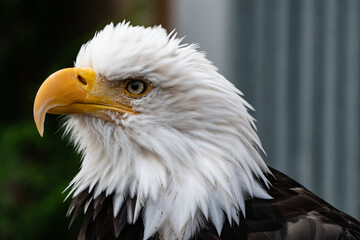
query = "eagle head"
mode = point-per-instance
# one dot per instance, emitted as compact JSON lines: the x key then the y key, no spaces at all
{"x":156,"y":122}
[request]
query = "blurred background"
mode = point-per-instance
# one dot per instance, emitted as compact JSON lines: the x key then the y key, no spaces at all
{"x":297,"y":63}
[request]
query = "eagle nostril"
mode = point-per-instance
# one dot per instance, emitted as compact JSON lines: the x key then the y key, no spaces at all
{"x":82,"y":80}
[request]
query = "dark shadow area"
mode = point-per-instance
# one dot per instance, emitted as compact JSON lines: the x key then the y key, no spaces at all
{"x":38,"y":38}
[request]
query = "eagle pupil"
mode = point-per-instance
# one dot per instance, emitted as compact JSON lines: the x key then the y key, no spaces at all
{"x":135,"y":85}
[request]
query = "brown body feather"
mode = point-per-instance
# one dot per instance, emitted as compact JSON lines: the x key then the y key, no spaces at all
{"x":293,"y":213}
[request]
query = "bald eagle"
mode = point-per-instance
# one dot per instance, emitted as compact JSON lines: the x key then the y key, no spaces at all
{"x":169,"y":150}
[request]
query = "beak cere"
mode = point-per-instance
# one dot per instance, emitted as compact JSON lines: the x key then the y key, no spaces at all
{"x":74,"y":91}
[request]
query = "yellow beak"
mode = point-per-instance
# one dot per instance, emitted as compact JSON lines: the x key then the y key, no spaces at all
{"x":74,"y":90}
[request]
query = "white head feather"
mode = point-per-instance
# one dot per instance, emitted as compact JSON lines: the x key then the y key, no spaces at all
{"x":189,"y":156}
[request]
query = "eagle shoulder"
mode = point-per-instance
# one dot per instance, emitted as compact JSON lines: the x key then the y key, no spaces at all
{"x":293,"y":213}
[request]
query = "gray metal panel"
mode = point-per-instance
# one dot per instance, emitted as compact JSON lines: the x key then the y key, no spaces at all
{"x":352,"y":108}
{"x":297,"y":62}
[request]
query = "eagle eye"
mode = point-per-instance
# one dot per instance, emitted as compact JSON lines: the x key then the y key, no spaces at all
{"x":136,"y":87}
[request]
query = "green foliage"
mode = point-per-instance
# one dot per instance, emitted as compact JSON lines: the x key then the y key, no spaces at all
{"x":38,"y":38}
{"x":34,"y":172}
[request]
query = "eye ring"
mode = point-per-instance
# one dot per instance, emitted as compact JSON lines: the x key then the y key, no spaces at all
{"x":136,"y":87}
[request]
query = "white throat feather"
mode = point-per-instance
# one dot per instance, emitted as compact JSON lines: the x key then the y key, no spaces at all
{"x":190,"y":156}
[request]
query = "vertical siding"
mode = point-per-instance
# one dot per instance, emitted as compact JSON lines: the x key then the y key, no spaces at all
{"x":282,"y":16}
{"x":330,"y":96}
{"x":352,"y":108}
{"x":298,"y":63}
{"x":306,"y":92}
